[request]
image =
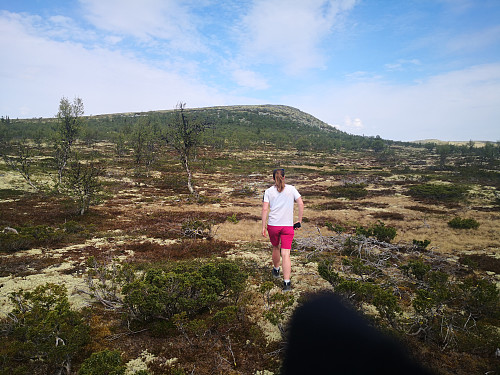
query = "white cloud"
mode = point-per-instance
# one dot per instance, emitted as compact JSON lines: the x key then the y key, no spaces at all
{"x":250,"y":79}
{"x":353,"y":123}
{"x":167,"y":20}
{"x":290,"y":33}
{"x":402,"y":64}
{"x":473,"y":41}
{"x":36,"y":72}
{"x":458,"y":105}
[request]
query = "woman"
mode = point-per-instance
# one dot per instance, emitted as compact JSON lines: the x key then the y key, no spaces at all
{"x":278,"y":203}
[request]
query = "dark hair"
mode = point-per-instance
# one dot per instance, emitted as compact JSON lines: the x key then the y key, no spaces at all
{"x":278,"y":176}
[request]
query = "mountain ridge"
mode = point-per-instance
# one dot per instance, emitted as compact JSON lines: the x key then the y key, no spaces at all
{"x":277,"y":110}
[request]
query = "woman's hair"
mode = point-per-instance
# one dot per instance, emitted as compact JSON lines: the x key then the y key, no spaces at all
{"x":279,"y":179}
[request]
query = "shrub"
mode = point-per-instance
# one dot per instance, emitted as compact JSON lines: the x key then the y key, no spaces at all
{"x":233,"y":219}
{"x":245,"y":191}
{"x":421,"y":245}
{"x":163,"y":294}
{"x":379,"y":231}
{"x":335,"y":228}
{"x":105,"y":281}
{"x":438,"y":192}
{"x":29,"y":237}
{"x":107,"y":362}
{"x":348,"y":190}
{"x":326,"y":271}
{"x":73,"y":227}
{"x":11,"y":242}
{"x":480,"y":297}
{"x":44,"y":333}
{"x":384,"y":300}
{"x":194,"y":228}
{"x":417,"y":268}
{"x":459,"y":223}
{"x":481,"y":262}
{"x":358,"y":266}
{"x":277,"y":305}
{"x":434,"y":295}
{"x":360,"y":291}
{"x":349,"y":246}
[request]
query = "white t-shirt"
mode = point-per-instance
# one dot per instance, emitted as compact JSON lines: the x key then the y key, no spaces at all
{"x":281,"y":205}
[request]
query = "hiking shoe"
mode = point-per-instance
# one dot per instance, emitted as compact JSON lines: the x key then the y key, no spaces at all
{"x":287,"y":286}
{"x":276,"y":272}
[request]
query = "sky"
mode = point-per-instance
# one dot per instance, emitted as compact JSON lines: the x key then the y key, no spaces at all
{"x":402,"y":69}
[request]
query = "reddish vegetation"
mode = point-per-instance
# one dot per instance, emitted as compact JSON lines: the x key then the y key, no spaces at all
{"x":482,"y":262}
{"x":26,"y":265}
{"x":426,"y":209}
{"x":186,"y":249}
{"x":37,"y":210}
{"x":388,"y":216}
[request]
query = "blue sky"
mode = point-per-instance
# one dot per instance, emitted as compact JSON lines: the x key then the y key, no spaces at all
{"x":404,"y":70}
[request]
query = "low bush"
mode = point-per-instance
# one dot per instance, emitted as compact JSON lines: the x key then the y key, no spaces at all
{"x":415,"y":268}
{"x":245,"y":191}
{"x":277,"y":304}
{"x":379,"y":231}
{"x":194,"y":228}
{"x":43,"y":334}
{"x":480,"y":297}
{"x":349,"y":191}
{"x":460,"y":223}
{"x":233,"y":219}
{"x":107,"y":362}
{"x":358,"y":267}
{"x":335,"y":228}
{"x":161,"y":294}
{"x":10,"y":193}
{"x":383,"y":299}
{"x":73,"y":227}
{"x":421,"y":245}
{"x":335,"y":205}
{"x":438,"y":192}
{"x":327,"y":271}
{"x":434,"y":294}
{"x":481,"y":262}
{"x":29,"y":237}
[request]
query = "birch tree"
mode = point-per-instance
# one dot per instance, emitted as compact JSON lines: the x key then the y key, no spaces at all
{"x":184,"y":134}
{"x":69,"y":123}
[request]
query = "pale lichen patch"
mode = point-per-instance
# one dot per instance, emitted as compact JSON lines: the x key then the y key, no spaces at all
{"x":140,"y":363}
{"x":15,"y":284}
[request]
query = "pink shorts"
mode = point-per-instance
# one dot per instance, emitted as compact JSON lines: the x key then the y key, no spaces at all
{"x":285,"y":234}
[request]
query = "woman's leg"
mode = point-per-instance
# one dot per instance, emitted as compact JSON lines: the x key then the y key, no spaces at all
{"x":276,"y":256}
{"x":287,"y":264}
{"x":287,"y":234}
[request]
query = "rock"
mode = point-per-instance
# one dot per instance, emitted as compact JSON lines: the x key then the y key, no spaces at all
{"x":10,"y":230}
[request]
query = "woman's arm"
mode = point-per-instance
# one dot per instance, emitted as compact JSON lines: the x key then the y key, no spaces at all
{"x":300,"y":202}
{"x":265,"y":211}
